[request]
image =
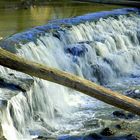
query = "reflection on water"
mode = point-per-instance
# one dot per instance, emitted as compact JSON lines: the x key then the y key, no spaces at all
{"x":13,"y":21}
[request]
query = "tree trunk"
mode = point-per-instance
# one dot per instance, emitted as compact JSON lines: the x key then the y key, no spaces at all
{"x":15,"y":62}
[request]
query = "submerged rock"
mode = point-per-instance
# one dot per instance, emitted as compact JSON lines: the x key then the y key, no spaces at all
{"x":12,"y":85}
{"x":44,"y":138}
{"x":98,"y":137}
{"x":123,"y":115}
{"x":3,"y":103}
{"x":122,"y":126}
{"x":133,"y":93}
{"x":15,"y":82}
{"x":76,"y":49}
{"x":102,"y":73}
{"x":107,"y":132}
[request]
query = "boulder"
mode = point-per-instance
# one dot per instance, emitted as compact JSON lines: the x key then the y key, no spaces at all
{"x":123,"y":115}
{"x":133,"y":93}
{"x":107,"y":132}
{"x":76,"y":49}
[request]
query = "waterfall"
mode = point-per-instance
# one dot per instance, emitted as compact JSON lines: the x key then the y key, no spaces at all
{"x":105,"y":50}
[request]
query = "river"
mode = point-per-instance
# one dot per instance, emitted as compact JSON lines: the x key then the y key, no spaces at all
{"x":102,"y":47}
{"x":14,"y":20}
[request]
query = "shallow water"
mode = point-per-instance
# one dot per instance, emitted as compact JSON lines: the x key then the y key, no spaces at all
{"x":106,"y":55}
{"x":76,"y":114}
{"x":14,"y":20}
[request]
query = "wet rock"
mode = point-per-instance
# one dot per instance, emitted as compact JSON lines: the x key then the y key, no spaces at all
{"x":118,"y":126}
{"x":122,"y":126}
{"x":8,"y":46}
{"x":102,"y":74}
{"x":87,"y":42}
{"x":113,"y":65}
{"x":130,"y":116}
{"x":76,"y":49}
{"x":133,"y":93}
{"x":135,"y":76}
{"x":131,"y":137}
{"x":98,"y":137}
{"x":107,"y":132}
{"x":15,"y":82}
{"x":92,"y":123}
{"x":40,"y":138}
{"x":11,"y":85}
{"x":3,"y":103}
{"x":44,"y":138}
{"x":123,"y":115}
{"x":95,"y":136}
{"x":57,"y":35}
{"x":119,"y":114}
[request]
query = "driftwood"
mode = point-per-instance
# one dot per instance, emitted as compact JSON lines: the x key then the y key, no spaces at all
{"x":15,"y":62}
{"x":130,"y":3}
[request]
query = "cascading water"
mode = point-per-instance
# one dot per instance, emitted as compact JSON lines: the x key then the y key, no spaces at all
{"x":106,"y":51}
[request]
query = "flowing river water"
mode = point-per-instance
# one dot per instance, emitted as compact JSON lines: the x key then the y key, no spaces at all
{"x":14,"y":20}
{"x":102,"y":47}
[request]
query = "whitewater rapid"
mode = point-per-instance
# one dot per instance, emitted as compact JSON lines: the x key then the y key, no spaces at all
{"x":105,"y":50}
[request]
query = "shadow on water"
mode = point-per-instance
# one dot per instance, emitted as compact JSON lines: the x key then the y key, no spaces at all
{"x":14,"y":20}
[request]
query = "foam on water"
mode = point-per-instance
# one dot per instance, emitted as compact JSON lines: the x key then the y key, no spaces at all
{"x":104,"y":51}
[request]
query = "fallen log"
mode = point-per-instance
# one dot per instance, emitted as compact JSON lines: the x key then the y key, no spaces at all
{"x":89,"y":88}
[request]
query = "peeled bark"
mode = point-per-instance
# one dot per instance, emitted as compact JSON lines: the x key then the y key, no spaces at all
{"x":89,"y":88}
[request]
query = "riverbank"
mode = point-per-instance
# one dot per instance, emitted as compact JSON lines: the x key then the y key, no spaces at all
{"x":129,"y":3}
{"x":16,"y":4}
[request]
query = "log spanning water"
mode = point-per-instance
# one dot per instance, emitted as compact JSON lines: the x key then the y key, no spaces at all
{"x":102,"y":47}
{"x":15,"y":62}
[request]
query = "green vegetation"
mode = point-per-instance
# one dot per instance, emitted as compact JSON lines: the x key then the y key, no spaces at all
{"x":28,"y":3}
